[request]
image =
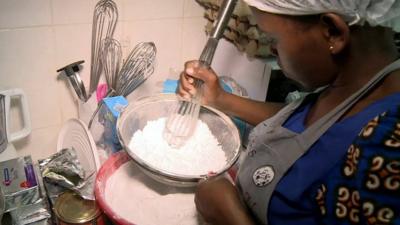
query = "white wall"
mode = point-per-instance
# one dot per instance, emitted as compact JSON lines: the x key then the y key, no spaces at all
{"x":37,"y":37}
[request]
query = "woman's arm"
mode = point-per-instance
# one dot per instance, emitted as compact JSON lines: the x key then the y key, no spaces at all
{"x":218,"y":201}
{"x":251,"y":111}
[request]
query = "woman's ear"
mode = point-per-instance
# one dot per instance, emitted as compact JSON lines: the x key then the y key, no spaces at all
{"x":336,"y":31}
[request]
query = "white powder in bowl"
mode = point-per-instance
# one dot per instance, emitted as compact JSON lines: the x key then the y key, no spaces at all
{"x":135,"y":197}
{"x":199,"y":155}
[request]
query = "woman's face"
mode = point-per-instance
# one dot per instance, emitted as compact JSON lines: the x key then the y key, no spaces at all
{"x":302,"y":52}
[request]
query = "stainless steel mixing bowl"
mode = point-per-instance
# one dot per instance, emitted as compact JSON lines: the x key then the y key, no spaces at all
{"x":136,"y":115}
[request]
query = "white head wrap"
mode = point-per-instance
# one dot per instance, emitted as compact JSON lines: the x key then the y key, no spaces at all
{"x":375,"y":12}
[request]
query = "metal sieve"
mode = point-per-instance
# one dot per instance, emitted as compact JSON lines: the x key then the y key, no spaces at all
{"x":136,"y":115}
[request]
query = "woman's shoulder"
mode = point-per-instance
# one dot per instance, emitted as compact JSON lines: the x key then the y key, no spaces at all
{"x":365,"y":185}
{"x":382,"y":130}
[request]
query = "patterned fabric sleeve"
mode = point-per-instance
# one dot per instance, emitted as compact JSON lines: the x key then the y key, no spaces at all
{"x":365,"y":187}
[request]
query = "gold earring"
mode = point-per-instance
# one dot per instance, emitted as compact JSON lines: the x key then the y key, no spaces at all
{"x":330,"y":48}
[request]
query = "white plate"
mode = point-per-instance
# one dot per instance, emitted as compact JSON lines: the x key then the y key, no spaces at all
{"x":75,"y":134}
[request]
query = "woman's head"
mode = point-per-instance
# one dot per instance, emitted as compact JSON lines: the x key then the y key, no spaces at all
{"x":311,"y":44}
{"x":384,"y":13}
{"x":303,"y":45}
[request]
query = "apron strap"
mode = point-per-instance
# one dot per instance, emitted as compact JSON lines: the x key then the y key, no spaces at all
{"x":284,"y":113}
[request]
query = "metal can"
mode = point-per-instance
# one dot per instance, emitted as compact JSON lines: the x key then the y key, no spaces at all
{"x":71,"y":209}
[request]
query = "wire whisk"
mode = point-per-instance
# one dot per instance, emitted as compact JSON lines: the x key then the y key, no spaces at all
{"x":181,"y":123}
{"x":105,"y":18}
{"x":111,"y":57}
{"x":138,"y":66}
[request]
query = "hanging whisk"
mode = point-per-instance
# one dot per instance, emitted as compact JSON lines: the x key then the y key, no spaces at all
{"x":138,"y":66}
{"x":104,"y":22}
{"x":111,"y":56}
{"x":181,"y":123}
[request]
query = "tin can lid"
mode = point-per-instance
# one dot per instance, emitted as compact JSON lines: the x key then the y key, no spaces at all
{"x":71,"y":208}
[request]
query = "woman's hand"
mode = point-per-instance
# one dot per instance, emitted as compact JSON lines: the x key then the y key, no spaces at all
{"x":253,"y":112}
{"x":218,"y":201}
{"x":212,"y":89}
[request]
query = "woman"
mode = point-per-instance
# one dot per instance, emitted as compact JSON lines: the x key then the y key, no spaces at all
{"x":301,"y":164}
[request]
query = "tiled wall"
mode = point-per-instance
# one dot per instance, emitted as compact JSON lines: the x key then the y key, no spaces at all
{"x":37,"y":37}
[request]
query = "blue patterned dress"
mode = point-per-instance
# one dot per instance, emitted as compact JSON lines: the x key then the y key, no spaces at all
{"x":336,"y":184}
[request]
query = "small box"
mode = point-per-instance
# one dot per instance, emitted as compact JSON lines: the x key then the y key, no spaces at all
{"x":109,"y":113}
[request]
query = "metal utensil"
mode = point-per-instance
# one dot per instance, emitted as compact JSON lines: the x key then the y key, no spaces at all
{"x":2,"y":205}
{"x":3,"y":128}
{"x":111,"y":60}
{"x":104,"y":22}
{"x":72,"y":72}
{"x":181,"y":123}
{"x":136,"y":69}
{"x":138,"y":113}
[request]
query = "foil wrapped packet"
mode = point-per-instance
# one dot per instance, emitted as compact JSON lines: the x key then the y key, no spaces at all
{"x":63,"y":168}
{"x":37,"y":212}
{"x":18,"y":183}
{"x":62,"y":171}
{"x":25,"y":197}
